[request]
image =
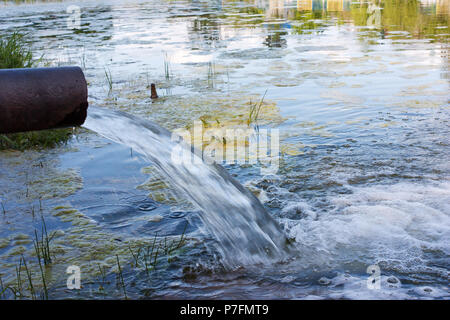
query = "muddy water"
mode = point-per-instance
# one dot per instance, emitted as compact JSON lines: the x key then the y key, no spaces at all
{"x":359,"y":94}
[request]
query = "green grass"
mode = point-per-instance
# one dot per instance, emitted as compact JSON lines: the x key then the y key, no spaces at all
{"x":35,"y":139}
{"x":42,"y":251}
{"x":15,"y":53}
{"x":147,"y":256}
{"x":109,"y":79}
{"x":211,"y":74}
{"x":2,"y":288}
{"x":122,"y":282}
{"x":42,"y":244}
{"x":167,"y":67}
{"x":43,"y":254}
{"x":255,"y":109}
{"x":32,"y":282}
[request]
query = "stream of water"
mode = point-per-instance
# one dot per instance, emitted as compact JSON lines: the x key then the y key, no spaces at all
{"x":244,"y":232}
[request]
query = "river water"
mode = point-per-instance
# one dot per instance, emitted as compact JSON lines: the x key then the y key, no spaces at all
{"x":359,"y":92}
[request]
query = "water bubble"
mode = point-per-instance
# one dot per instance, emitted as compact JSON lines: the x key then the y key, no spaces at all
{"x":177,"y":214}
{"x":287,"y":279}
{"x":393,"y":282}
{"x":147,"y":207}
{"x":324,"y":281}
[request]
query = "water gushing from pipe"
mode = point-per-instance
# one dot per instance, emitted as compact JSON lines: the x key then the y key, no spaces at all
{"x":244,"y":231}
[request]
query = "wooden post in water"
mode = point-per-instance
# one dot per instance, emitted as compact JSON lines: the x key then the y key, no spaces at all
{"x":153,"y":91}
{"x":42,"y":98}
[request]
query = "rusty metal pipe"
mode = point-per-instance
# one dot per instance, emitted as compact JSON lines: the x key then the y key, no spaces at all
{"x":42,"y":98}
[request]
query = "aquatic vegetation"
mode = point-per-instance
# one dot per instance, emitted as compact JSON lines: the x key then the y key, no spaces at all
{"x":41,"y":181}
{"x":291,"y":149}
{"x":122,"y":282}
{"x":147,"y":255}
{"x":109,"y":79}
{"x":58,"y":184}
{"x":160,"y":190}
{"x":255,"y":109}
{"x":211,"y":74}
{"x":15,"y":52}
{"x":214,"y":109}
{"x":17,"y":286}
{"x":42,"y":244}
{"x":167,"y":67}
{"x":35,"y":139}
{"x":95,"y":252}
{"x":339,"y":97}
{"x":4,"y":243}
{"x":30,"y":279}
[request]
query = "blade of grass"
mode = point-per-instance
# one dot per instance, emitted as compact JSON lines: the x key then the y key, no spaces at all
{"x":121,"y":277}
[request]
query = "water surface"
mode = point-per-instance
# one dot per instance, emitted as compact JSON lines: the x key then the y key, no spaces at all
{"x":358,"y":90}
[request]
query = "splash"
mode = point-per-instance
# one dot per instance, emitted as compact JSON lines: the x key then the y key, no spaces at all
{"x":244,"y":232}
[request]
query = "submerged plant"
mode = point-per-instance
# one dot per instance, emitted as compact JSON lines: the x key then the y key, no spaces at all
{"x":42,"y":244}
{"x":166,"y":66}
{"x":2,"y":288}
{"x":19,"y":278}
{"x":19,"y":286}
{"x":30,"y":280}
{"x":109,"y":79}
{"x":135,"y":255}
{"x":42,"y":250}
{"x":122,"y":282}
{"x":102,"y":272}
{"x":255,"y":109}
{"x":147,"y":255}
{"x":211,"y":74}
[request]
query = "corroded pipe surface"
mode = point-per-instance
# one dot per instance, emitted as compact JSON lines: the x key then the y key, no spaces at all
{"x":42,"y":98}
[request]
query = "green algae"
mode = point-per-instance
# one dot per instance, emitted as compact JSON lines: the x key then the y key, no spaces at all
{"x":4,"y":243}
{"x":29,"y":176}
{"x":85,"y":245}
{"x":16,"y":251}
{"x":58,"y":185}
{"x":160,"y":189}
{"x":20,"y":236}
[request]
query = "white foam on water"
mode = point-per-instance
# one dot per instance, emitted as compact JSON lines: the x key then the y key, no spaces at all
{"x":345,"y":286}
{"x":404,"y":228}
